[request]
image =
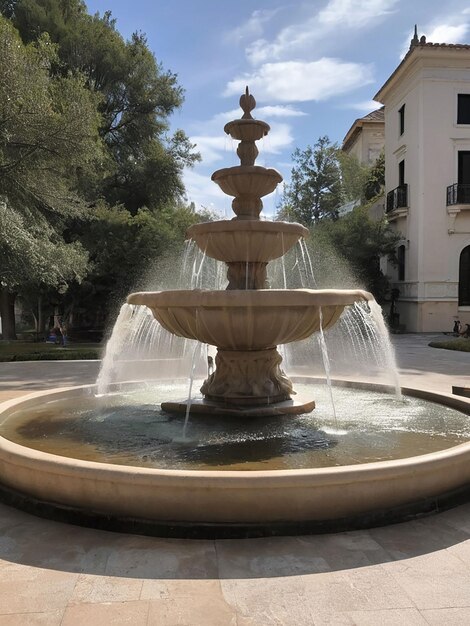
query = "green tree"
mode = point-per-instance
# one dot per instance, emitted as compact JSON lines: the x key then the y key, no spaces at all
{"x":315,"y":189}
{"x":362,"y":241}
{"x":137,"y":96}
{"x":375,"y":180}
{"x":353,"y":177}
{"x":48,"y":130}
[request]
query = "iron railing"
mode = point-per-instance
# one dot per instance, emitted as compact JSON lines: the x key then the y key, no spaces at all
{"x":458,"y":194}
{"x":397,"y":198}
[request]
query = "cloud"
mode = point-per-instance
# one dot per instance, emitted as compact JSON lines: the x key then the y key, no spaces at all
{"x":205,"y":193}
{"x":366,"y":106}
{"x":277,"y":111}
{"x":445,"y":33}
{"x":300,"y":81}
{"x":299,"y":37}
{"x":354,"y":13}
{"x":452,"y":30}
{"x":253,"y":27}
{"x":211,"y":147}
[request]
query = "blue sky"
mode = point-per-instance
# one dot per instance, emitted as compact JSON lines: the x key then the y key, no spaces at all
{"x":312,"y":66}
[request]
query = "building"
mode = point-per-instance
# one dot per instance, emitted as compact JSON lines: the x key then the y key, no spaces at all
{"x":427,"y":178}
{"x":366,"y":137}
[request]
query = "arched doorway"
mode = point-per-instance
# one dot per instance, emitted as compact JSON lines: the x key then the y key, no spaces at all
{"x":464,"y":277}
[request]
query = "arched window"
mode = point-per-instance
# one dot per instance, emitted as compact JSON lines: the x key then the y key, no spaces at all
{"x":464,"y":277}
{"x":401,"y":262}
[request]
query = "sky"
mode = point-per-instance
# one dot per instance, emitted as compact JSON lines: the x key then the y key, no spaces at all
{"x":313,"y":67}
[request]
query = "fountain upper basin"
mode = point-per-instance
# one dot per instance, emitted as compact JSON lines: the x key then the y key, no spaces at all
{"x":246,"y":240}
{"x":247,"y":319}
{"x":248,"y":180}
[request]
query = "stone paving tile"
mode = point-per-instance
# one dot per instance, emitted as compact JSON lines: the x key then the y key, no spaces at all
{"x":447,"y":617}
{"x":434,"y":580}
{"x":270,"y":601}
{"x":267,"y":557}
{"x":108,"y":614}
{"x":47,"y":591}
{"x":48,"y":618}
{"x":192,"y":610}
{"x":393,"y":617}
{"x":158,"y":589}
{"x":96,"y":589}
{"x":389,"y":617}
{"x":150,"y":557}
{"x":359,"y":589}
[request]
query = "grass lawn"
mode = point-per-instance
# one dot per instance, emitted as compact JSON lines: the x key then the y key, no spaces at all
{"x":30,"y":351}
{"x":461,"y":344}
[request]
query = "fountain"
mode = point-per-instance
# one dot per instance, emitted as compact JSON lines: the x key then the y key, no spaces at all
{"x":122,"y":460}
{"x":247,"y":321}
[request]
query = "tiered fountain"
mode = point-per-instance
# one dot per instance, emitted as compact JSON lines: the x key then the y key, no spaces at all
{"x":124,"y":465}
{"x":247,"y":321}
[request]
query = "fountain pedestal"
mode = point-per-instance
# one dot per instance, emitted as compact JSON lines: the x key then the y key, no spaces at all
{"x":247,"y":378}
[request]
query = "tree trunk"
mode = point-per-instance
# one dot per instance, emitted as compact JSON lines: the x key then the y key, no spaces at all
{"x":7,"y":313}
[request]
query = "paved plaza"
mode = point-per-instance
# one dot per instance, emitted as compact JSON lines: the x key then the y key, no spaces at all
{"x":406,"y":574}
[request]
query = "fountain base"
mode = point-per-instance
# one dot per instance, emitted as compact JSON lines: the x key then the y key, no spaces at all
{"x":248,"y":378}
{"x":207,"y":406}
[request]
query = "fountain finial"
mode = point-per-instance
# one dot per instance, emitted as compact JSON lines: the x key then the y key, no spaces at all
{"x":247,"y":104}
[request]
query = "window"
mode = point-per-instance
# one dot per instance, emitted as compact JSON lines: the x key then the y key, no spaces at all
{"x":464,"y":277}
{"x":463,"y":108}
{"x":401,"y":173}
{"x":464,"y":168}
{"x":401,"y":262}
{"x":401,"y":118}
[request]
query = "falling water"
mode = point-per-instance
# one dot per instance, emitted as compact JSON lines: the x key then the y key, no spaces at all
{"x":114,"y":347}
{"x":388,"y":350}
{"x":326,"y":362}
{"x":196,"y":351}
{"x":307,"y":262}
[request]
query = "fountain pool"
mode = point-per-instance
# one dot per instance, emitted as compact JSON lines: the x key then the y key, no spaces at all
{"x":254,"y":451}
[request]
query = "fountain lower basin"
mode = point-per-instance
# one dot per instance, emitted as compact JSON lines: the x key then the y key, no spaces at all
{"x":247,"y":319}
{"x":182,"y":502}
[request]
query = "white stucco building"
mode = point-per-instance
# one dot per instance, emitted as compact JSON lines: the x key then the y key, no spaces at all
{"x":366,"y":137}
{"x":427,"y":178}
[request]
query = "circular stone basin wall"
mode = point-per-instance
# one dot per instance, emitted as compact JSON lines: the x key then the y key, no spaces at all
{"x":228,"y":503}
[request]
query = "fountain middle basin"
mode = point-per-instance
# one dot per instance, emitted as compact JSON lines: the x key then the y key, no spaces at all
{"x":230,"y":502}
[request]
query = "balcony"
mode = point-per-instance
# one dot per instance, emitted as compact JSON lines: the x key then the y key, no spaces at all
{"x":397,"y":198}
{"x":458,"y":194}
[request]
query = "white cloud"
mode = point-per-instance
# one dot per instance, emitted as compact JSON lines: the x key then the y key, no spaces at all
{"x":279,"y":137}
{"x":253,"y":27}
{"x":445,"y":33}
{"x":300,"y":81}
{"x":366,"y":106}
{"x":354,"y":13}
{"x":211,"y":147}
{"x":299,"y":37}
{"x":279,"y":110}
{"x":452,"y":30}
{"x":205,"y":193}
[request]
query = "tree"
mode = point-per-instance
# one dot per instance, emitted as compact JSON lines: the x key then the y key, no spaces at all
{"x":353,"y":177}
{"x":135,"y":170}
{"x":48,"y":130}
{"x":375,"y":181}
{"x":137,"y":96}
{"x":362,"y":241}
{"x":315,"y":190}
